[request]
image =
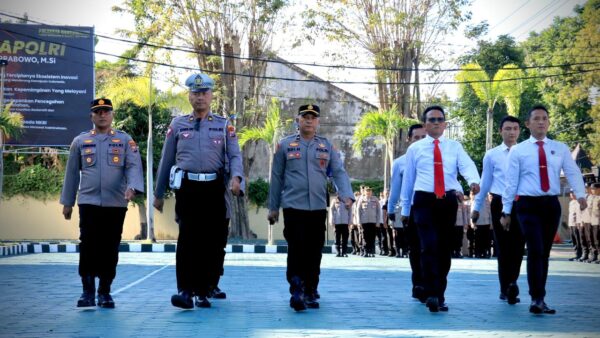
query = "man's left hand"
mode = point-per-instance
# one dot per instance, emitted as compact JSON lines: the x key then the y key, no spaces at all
{"x":475,"y":188}
{"x":129,"y":194}
{"x":348,"y":202}
{"x":236,"y":186}
{"x":582,"y":203}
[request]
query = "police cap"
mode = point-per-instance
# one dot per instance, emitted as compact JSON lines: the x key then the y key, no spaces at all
{"x":103,"y":103}
{"x":309,"y":109}
{"x":199,"y":83}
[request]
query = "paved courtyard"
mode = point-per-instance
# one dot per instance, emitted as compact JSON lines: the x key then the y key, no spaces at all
{"x":361,"y":297}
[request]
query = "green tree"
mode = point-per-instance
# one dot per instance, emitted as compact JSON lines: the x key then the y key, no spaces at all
{"x":384,"y":126}
{"x":11,"y":125}
{"x":492,"y":90}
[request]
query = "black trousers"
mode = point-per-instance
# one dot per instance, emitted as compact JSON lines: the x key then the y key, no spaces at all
{"x":341,"y":237}
{"x":457,"y":238}
{"x":355,"y":239}
{"x":539,"y":218}
{"x":200,"y":207}
{"x":304,"y":231}
{"x":381,"y":234}
{"x":391,"y":238}
{"x":594,"y":237}
{"x":435,"y":219}
{"x":586,"y":239}
{"x":401,"y":240}
{"x":509,"y":244}
{"x":414,"y":250}
{"x":576,"y":240}
{"x":369,"y":231}
{"x":483,"y":241}
{"x":100,"y":231}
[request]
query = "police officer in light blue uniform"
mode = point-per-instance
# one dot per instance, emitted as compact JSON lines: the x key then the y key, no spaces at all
{"x":203,"y":149}
{"x":104,"y":172}
{"x":299,"y":186}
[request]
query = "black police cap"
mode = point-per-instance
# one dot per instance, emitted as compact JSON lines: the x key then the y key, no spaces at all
{"x":309,"y":109}
{"x":98,"y":104}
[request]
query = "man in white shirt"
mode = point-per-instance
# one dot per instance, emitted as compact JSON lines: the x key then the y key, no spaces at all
{"x":509,"y":243}
{"x":533,"y":174}
{"x":430,"y":187}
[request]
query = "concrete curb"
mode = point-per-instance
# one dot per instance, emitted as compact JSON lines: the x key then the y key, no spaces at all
{"x":43,"y":247}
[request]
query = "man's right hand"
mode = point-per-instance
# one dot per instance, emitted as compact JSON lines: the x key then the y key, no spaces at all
{"x":273,"y":216}
{"x":474,"y":216}
{"x":392,"y":216}
{"x":67,"y":212}
{"x":505,"y":222}
{"x":159,"y":203}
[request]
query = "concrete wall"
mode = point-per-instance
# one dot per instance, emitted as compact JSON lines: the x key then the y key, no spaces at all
{"x":30,"y":219}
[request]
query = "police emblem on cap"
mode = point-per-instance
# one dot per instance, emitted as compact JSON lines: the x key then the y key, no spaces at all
{"x":100,"y":101}
{"x":310,"y":107}
{"x":198,"y":81}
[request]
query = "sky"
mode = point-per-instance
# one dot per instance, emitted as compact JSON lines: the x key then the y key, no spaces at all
{"x":514,"y":17}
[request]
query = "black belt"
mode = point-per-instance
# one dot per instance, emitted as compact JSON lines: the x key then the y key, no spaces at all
{"x":453,"y":192}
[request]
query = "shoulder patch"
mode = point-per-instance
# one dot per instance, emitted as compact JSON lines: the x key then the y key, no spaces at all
{"x":133,"y":146}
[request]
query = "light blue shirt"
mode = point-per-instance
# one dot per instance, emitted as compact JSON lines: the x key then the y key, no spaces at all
{"x":523,"y":171}
{"x":492,"y":177}
{"x":418,"y":175}
{"x":396,"y":183}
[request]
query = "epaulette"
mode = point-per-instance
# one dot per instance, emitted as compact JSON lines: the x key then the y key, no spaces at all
{"x":218,"y":117}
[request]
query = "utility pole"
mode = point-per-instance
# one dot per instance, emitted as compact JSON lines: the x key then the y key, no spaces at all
{"x":149,"y":176}
{"x":3,"y":64}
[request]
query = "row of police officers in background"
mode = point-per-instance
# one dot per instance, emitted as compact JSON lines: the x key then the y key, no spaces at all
{"x":201,"y":162}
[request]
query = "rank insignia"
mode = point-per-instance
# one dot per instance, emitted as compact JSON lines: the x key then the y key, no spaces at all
{"x":112,"y":132}
{"x":217,"y":141}
{"x":115,"y":151}
{"x":93,"y":132}
{"x":133,"y":146}
{"x":169,"y":131}
{"x":185,"y":135}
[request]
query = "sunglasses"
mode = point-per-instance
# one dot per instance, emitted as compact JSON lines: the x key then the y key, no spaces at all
{"x":435,"y":119}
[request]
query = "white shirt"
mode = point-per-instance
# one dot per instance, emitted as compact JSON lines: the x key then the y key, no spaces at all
{"x":523,"y":171}
{"x":492,"y":177}
{"x":418,"y":174}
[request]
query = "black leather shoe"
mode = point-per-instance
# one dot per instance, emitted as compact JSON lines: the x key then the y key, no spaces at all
{"x":511,"y":294}
{"x":201,"y":301}
{"x":297,"y":301}
{"x":105,"y":301}
{"x":536,"y":307}
{"x":216,"y":293}
{"x":444,"y":307}
{"x":433,"y":304}
{"x":311,"y":301}
{"x":183,"y":300}
{"x":502,"y":296}
{"x":574,"y":259}
{"x":547,"y":309}
{"x":584,"y":258}
{"x":418,"y":292}
{"x":86,"y":300}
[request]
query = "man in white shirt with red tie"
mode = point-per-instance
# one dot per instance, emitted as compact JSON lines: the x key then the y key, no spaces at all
{"x":533,"y":178}
{"x":432,"y":165}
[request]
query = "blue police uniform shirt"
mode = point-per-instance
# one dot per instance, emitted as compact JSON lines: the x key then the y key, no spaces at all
{"x":523,"y":171}
{"x":418,"y":175}
{"x":398,"y":167}
{"x":492,"y":177}
{"x":299,"y":174}
{"x":102,"y":167}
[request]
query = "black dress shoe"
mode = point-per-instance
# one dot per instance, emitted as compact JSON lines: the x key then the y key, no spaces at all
{"x":502,"y":296}
{"x":297,"y":302}
{"x":86,"y":300}
{"x":105,"y":301}
{"x":216,"y":293}
{"x":443,"y":307}
{"x":311,"y":301}
{"x":511,"y":294}
{"x":201,"y":301}
{"x":433,"y":304}
{"x":183,"y":300}
{"x":547,"y":310}
{"x":418,"y":292}
{"x":573,"y":259}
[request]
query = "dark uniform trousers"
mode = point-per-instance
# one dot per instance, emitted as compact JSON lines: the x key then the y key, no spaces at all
{"x":509,"y":244}
{"x":483,"y":241}
{"x":100,"y":235}
{"x":369,"y":231}
{"x":411,"y":233}
{"x":539,"y":218}
{"x":341,"y":237}
{"x":435,"y":219}
{"x":355,"y":239}
{"x":576,"y":240}
{"x":586,"y":240}
{"x":381,"y":234}
{"x":200,"y":207}
{"x":304,"y":231}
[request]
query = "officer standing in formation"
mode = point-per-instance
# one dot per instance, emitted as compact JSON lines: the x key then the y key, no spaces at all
{"x":369,"y":215}
{"x":431,"y":189}
{"x":202,"y":156}
{"x":410,"y":233}
{"x":299,"y":185}
{"x":533,"y":174}
{"x":509,"y":242}
{"x":339,"y":218}
{"x":104,"y":172}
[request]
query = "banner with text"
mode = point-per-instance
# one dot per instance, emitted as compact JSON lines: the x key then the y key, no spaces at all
{"x":49,"y":80}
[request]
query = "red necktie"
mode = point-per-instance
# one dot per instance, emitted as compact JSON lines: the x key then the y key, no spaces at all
{"x":543,"y":167}
{"x":438,"y":171}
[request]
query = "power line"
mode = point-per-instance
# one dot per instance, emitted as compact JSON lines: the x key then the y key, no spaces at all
{"x":284,"y":62}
